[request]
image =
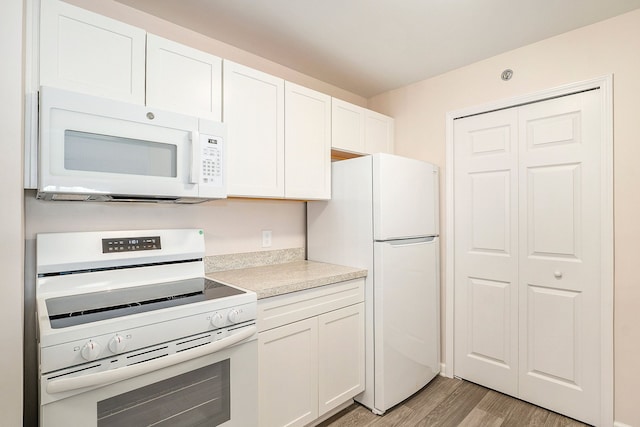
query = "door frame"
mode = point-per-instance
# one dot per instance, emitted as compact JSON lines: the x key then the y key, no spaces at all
{"x":605,"y":85}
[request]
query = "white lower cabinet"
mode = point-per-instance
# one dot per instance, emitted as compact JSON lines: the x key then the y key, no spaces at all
{"x":287,"y":374}
{"x":340,"y":356}
{"x":310,"y":352}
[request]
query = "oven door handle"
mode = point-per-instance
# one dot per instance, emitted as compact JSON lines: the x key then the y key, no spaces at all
{"x":119,"y":374}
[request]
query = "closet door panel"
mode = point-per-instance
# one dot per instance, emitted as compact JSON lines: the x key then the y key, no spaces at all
{"x":486,"y":322}
{"x":560,"y":255}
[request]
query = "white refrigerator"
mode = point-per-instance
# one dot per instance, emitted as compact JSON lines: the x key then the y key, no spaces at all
{"x":383,"y":216}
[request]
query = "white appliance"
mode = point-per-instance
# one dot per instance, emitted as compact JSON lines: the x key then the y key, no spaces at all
{"x":97,"y":149}
{"x":383,"y":216}
{"x":131,"y":333}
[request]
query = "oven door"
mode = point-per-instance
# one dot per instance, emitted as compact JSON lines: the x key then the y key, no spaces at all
{"x":219,"y":389}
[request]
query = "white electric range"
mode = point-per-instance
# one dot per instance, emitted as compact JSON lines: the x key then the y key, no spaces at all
{"x":132,"y":333}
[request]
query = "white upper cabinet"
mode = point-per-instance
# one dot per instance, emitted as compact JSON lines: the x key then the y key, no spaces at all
{"x":254,"y":114}
{"x":378,"y":133}
{"x":90,"y":53}
{"x":308,"y":143}
{"x":347,"y":126}
{"x":183,"y":79}
{"x":279,"y":136}
{"x":359,"y":130}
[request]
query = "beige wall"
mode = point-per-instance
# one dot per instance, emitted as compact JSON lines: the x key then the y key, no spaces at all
{"x":609,"y":47}
{"x":11,"y":246}
{"x":230,"y":226}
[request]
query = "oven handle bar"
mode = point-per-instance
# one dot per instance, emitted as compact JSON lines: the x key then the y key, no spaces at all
{"x":119,"y":374}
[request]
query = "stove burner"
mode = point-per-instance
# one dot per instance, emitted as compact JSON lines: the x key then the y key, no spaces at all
{"x":92,"y":307}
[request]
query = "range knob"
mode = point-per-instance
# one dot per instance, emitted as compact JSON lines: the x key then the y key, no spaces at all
{"x":117,"y":344}
{"x":217,"y":320}
{"x":90,"y":351}
{"x":233,"y":315}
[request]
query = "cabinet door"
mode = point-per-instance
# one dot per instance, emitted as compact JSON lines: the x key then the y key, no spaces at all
{"x":288,"y":374}
{"x":308,"y":143}
{"x":378,"y":133}
{"x":254,"y":113}
{"x":86,"y":52}
{"x":183,"y":79}
{"x":340,"y":356}
{"x":347,"y":126}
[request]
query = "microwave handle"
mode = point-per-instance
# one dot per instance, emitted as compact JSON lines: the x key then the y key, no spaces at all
{"x":119,"y":374}
{"x":194,"y":172}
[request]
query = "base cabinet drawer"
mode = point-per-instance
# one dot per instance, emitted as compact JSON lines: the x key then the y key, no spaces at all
{"x":309,"y":366}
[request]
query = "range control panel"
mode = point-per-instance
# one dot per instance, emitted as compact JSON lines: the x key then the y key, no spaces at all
{"x":131,"y":244}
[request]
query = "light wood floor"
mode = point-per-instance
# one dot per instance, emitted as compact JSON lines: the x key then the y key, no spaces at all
{"x":449,"y":402}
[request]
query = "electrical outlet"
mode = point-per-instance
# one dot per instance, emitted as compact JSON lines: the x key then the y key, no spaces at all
{"x":266,"y":238}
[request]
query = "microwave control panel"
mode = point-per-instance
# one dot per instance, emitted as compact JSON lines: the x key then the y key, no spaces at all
{"x":211,"y":160}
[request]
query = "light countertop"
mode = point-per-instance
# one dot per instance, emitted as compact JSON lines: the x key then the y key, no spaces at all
{"x":277,"y":279}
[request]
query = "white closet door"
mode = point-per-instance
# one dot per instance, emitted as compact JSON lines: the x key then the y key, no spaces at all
{"x":486,"y":260}
{"x":560,"y":255}
{"x":527,"y":253}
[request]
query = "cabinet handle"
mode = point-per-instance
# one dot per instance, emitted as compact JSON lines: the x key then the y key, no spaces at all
{"x":558,"y":274}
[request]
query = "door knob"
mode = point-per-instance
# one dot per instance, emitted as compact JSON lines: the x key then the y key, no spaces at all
{"x":558,"y":274}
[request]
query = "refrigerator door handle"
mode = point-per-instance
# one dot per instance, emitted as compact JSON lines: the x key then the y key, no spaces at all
{"x":410,"y":242}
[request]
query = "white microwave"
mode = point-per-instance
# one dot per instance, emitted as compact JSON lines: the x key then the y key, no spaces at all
{"x":96,"y":149}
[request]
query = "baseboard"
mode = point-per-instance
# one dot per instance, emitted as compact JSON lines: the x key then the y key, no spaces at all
{"x":331,"y":413}
{"x":442,"y":371}
{"x":619,"y":424}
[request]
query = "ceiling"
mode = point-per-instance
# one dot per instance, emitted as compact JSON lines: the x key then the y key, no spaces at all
{"x":371,"y":46}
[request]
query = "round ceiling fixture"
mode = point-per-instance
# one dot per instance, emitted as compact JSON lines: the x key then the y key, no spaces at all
{"x":507,"y":74}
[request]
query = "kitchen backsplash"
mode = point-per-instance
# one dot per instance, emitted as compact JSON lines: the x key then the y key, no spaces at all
{"x":252,"y":259}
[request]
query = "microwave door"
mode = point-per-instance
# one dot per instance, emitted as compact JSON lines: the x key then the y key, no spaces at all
{"x":88,"y":153}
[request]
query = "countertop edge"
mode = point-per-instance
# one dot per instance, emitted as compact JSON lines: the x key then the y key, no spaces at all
{"x":280,"y":279}
{"x":301,"y":286}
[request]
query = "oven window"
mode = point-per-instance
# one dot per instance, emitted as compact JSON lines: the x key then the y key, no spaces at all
{"x":102,"y":153}
{"x":196,"y":398}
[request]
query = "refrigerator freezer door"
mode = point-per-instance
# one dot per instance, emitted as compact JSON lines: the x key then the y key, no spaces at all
{"x":405,"y":197}
{"x":407,"y":319}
